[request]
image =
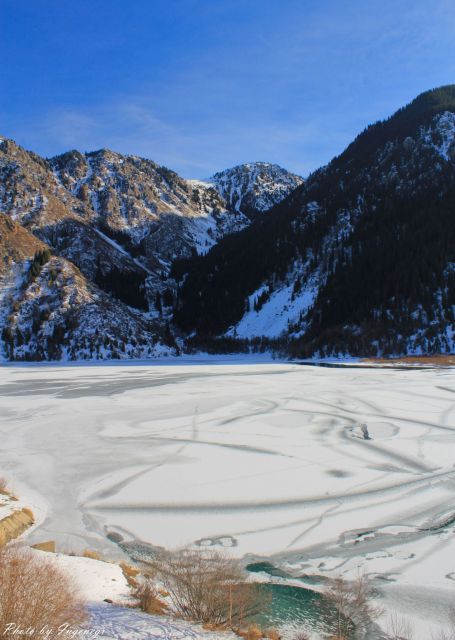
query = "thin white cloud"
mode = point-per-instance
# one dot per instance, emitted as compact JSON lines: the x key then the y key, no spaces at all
{"x":295,"y":89}
{"x":132,"y":127}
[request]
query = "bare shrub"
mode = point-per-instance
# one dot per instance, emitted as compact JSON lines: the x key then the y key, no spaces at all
{"x":352,"y":601}
{"x":209,"y":587}
{"x":301,"y":635}
{"x":35,"y":594}
{"x":443,"y":634}
{"x":399,"y":628}
{"x":449,"y":632}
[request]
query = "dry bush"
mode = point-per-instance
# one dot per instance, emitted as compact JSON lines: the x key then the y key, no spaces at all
{"x":149,"y":602}
{"x":301,"y":635}
{"x":35,"y":594}
{"x":272,"y":634}
{"x":209,"y":588}
{"x":352,"y":601}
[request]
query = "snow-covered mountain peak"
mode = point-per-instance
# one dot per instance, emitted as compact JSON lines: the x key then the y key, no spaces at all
{"x":255,"y":187}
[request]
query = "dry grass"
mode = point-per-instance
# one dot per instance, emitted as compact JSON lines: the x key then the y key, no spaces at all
{"x":130,"y":574}
{"x":28,"y":512}
{"x":93,"y":555}
{"x":254,"y":632}
{"x":129,"y":570}
{"x":3,"y":486}
{"x":35,"y":594}
{"x":147,"y":596}
{"x":48,"y":545}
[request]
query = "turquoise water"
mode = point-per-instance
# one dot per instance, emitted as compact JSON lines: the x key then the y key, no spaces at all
{"x":291,"y":606}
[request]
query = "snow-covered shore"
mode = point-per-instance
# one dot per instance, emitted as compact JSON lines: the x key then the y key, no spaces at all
{"x":266,"y":459}
{"x":96,"y":581}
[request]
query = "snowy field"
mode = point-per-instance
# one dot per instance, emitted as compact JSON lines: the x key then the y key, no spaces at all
{"x":266,"y":459}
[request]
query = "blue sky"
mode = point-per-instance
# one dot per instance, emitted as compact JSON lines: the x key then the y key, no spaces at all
{"x":201,"y":85}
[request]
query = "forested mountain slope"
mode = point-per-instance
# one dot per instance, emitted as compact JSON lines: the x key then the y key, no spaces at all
{"x":359,"y":259}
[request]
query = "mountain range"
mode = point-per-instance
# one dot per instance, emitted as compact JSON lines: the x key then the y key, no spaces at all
{"x":112,"y":256}
{"x":111,"y":227}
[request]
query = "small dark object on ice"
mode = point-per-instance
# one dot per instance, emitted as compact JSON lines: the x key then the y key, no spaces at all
{"x":364,"y":429}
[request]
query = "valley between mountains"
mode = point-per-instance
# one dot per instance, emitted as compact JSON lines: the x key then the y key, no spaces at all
{"x":109,"y":256}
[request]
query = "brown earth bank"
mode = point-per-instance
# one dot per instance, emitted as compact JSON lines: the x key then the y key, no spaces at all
{"x":442,"y":360}
{"x":15,"y":524}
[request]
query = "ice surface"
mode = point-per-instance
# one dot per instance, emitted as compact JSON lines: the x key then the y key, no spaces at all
{"x":267,"y":459}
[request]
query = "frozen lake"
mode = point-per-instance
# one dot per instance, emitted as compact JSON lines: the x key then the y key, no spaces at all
{"x":266,"y":459}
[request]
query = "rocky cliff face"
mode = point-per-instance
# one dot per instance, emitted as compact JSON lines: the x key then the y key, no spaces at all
{"x":50,"y":311}
{"x":131,"y":198}
{"x":156,"y":214}
{"x":114,"y":225}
